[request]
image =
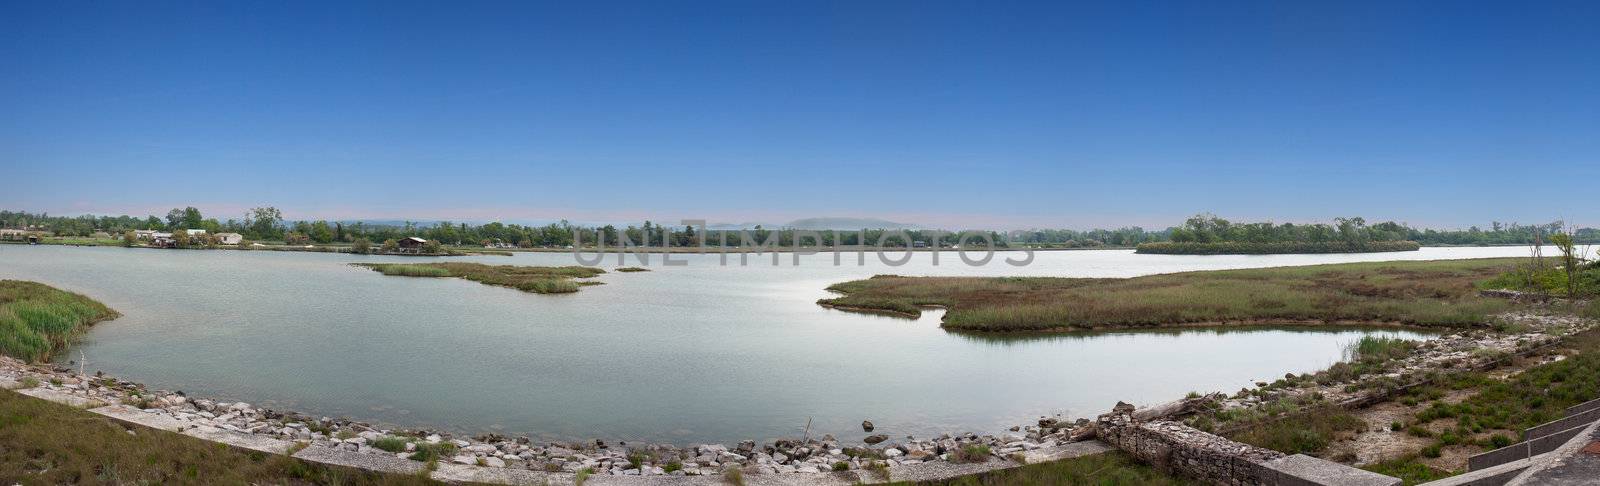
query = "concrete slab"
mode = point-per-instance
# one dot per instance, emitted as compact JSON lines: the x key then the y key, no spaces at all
{"x":375,"y":462}
{"x":1066,"y":451}
{"x":62,"y":397}
{"x":239,"y":439}
{"x":1304,"y":470}
{"x":135,"y":416}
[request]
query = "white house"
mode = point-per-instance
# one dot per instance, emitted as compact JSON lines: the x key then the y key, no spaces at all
{"x":230,"y":238}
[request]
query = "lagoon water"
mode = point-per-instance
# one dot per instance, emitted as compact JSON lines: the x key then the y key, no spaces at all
{"x":683,"y":354}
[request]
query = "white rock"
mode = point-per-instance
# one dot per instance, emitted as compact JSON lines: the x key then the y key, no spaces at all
{"x":494,"y":462}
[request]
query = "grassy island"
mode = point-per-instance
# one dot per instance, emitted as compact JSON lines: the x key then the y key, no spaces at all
{"x":1272,"y":248}
{"x":1422,"y":293}
{"x":37,"y":320}
{"x":539,"y":280}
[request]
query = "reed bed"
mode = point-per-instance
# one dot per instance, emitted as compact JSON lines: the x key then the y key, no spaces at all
{"x":37,"y":321}
{"x":1423,"y":293}
{"x":539,"y":280}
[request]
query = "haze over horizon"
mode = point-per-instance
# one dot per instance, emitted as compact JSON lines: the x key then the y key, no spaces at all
{"x":949,"y":115}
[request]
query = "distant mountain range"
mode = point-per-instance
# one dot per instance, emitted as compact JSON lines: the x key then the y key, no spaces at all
{"x":824,"y":223}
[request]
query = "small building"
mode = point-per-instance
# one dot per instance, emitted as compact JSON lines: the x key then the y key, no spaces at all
{"x":230,"y":238}
{"x":195,"y":232}
{"x":412,"y":243}
{"x":162,"y":240}
{"x":146,"y":235}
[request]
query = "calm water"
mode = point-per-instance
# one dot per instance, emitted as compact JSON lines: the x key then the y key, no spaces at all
{"x":682,"y":354}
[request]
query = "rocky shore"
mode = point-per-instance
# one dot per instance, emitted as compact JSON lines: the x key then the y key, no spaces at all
{"x":821,"y":454}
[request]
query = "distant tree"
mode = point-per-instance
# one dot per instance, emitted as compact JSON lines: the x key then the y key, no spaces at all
{"x":174,"y":219}
{"x":361,"y":246}
{"x":432,"y":246}
{"x":130,"y":238}
{"x":320,"y":232}
{"x":192,"y":218}
{"x":264,"y":223}
{"x":180,"y":238}
{"x":294,"y":238}
{"x":390,"y":245}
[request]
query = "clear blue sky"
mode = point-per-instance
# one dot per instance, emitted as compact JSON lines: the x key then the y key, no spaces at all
{"x":998,"y":114}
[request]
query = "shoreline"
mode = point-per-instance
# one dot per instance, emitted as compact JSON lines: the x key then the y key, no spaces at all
{"x":817,"y":456}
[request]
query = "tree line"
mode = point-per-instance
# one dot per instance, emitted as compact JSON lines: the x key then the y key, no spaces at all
{"x":268,"y":224}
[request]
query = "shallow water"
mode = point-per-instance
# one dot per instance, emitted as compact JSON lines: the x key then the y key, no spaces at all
{"x":697,"y":353}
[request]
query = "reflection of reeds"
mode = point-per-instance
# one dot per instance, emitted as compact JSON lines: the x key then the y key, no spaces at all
{"x":1421,"y":293}
{"x":37,"y":320}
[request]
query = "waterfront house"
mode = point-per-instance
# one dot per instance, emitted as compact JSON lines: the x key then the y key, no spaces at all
{"x":146,"y":235}
{"x":196,"y":232}
{"x":230,"y":238}
{"x":412,"y":244}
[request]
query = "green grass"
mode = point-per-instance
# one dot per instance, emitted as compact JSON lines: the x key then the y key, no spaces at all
{"x":48,"y":443}
{"x":971,"y":453}
{"x":37,"y":321}
{"x":1307,"y":433}
{"x":1267,"y":248}
{"x":1109,"y":469}
{"x":1408,"y":469}
{"x":1378,"y":348}
{"x":390,"y":444}
{"x":1423,"y":293}
{"x":539,"y":280}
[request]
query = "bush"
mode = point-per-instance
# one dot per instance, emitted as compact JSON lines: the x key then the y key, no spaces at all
{"x":390,"y":444}
{"x":971,"y":453}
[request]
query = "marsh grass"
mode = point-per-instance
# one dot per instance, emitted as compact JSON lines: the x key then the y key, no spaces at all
{"x":1308,"y":433}
{"x":1378,"y":349}
{"x":49,"y":443}
{"x":539,"y":280}
{"x":37,"y":320}
{"x":632,"y":269}
{"x":1422,"y":293}
{"x":1109,"y":469}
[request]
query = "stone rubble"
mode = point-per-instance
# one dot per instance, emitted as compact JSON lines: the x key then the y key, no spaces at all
{"x":812,"y":455}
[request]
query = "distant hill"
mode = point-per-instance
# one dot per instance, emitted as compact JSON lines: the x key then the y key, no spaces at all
{"x":848,"y":224}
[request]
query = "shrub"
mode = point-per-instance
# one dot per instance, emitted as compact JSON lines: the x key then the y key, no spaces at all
{"x":390,"y":444}
{"x":971,"y":453}
{"x":841,"y":466}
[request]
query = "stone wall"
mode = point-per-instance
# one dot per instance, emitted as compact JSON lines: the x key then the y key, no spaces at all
{"x":1184,"y":450}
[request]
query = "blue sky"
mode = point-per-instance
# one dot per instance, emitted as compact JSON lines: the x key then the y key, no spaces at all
{"x":969,"y":114}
